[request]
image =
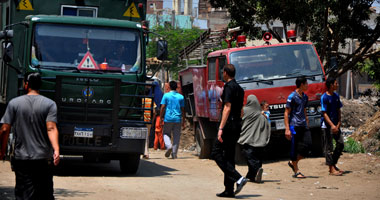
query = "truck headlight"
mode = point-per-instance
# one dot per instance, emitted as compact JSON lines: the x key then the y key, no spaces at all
{"x":133,"y":132}
{"x":311,"y":110}
{"x":319,"y":109}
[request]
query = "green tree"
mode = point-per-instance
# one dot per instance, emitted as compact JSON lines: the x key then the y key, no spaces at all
{"x":177,"y":40}
{"x":327,"y":23}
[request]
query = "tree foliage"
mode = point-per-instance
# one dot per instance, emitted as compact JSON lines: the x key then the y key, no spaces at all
{"x":327,"y":23}
{"x":177,"y":40}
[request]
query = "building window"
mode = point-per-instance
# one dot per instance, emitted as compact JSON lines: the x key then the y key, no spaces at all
{"x":279,"y":30}
{"x":83,"y":11}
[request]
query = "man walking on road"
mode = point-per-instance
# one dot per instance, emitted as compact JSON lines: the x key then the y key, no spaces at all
{"x":296,"y":125}
{"x":36,"y":148}
{"x":223,"y":151}
{"x":331,"y":117}
{"x":172,"y":109}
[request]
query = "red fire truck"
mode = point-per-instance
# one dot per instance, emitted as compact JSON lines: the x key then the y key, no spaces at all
{"x":267,"y":71}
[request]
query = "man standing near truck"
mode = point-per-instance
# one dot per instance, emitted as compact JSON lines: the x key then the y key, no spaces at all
{"x":296,"y":125}
{"x":36,"y":148}
{"x":223,"y":151}
{"x":331,"y":121}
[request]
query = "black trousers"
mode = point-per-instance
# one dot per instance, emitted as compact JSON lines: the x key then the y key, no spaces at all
{"x":332,"y":155}
{"x":224,"y":154}
{"x":34,"y":179}
{"x":254,"y":159}
{"x":300,"y":143}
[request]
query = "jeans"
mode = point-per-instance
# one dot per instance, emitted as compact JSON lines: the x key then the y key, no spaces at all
{"x":175,"y":128}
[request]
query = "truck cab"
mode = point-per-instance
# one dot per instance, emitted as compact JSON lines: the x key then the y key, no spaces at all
{"x":91,"y":56}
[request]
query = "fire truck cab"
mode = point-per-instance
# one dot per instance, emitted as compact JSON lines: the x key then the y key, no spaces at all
{"x":267,"y":71}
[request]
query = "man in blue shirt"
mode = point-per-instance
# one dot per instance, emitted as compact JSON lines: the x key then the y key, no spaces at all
{"x":330,"y":123}
{"x":172,"y":108}
{"x":296,"y":125}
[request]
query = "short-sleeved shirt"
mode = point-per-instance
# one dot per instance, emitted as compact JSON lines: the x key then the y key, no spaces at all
{"x":234,"y":94}
{"x":297,"y":104}
{"x":173,"y":101}
{"x":331,"y":105}
{"x":28,"y":115}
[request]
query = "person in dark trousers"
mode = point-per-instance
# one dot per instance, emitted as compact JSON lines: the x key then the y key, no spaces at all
{"x":223,"y":151}
{"x":330,"y":123}
{"x":33,"y":118}
{"x":254,"y":136}
{"x":296,"y":125}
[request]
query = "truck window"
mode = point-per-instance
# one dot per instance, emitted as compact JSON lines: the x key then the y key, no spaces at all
{"x":84,"y":11}
{"x":276,"y":62}
{"x":63,"y":47}
{"x":211,"y":69}
{"x":222,"y":62}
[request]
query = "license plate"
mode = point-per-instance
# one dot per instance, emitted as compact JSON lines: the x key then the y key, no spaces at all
{"x":84,"y":132}
{"x":280,"y":124}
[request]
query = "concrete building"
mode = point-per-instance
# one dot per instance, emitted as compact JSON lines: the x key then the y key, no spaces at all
{"x":154,"y":5}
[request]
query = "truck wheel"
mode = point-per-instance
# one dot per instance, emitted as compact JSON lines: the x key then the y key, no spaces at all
{"x":130,"y":163}
{"x":203,"y":146}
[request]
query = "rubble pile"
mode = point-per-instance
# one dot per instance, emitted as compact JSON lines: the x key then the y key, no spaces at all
{"x":369,"y":134}
{"x":356,"y":112}
{"x":362,"y":117}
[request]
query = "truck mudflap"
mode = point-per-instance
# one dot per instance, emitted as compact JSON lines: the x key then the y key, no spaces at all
{"x":101,"y":115}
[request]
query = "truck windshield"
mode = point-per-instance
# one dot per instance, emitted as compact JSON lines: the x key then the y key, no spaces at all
{"x":106,"y":49}
{"x":276,"y":62}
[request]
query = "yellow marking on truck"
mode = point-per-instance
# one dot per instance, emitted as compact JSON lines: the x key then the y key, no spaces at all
{"x":25,"y":5}
{"x":132,"y":11}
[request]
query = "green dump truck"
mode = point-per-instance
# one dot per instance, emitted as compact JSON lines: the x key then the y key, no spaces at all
{"x":91,"y":56}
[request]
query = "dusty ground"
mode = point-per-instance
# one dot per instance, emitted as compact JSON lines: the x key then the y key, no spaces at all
{"x":191,"y":178}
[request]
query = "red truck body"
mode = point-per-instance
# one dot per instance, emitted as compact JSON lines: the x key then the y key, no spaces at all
{"x":267,"y":71}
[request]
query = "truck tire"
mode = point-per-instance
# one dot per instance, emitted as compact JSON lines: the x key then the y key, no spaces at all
{"x":130,"y":163}
{"x":203,"y":146}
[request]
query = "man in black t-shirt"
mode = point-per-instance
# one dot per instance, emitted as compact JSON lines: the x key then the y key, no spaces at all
{"x":223,"y":151}
{"x":34,"y":119}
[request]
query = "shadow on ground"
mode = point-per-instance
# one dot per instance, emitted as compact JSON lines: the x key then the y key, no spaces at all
{"x":77,"y":167}
{"x":8,"y":193}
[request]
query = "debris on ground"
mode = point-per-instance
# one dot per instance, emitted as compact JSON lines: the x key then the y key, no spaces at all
{"x":356,"y":112}
{"x":361,"y":121}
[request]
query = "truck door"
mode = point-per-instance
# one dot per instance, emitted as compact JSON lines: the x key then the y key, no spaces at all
{"x":215,"y":88}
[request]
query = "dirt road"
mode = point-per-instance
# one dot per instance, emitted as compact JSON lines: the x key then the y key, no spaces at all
{"x":191,"y":178}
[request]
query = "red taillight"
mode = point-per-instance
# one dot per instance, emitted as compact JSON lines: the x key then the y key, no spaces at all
{"x":241,"y":39}
{"x":291,"y":34}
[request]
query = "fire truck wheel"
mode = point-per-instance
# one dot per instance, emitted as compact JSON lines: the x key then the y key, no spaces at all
{"x":130,"y":163}
{"x":203,"y":146}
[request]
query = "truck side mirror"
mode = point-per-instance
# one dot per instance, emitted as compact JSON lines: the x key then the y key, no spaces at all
{"x":162,"y":50}
{"x":333,"y":65}
{"x":7,"y":51}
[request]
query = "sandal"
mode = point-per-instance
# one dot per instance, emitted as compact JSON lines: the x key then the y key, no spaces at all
{"x":337,"y":169}
{"x":291,"y":166}
{"x":336,"y":173}
{"x":296,"y":175}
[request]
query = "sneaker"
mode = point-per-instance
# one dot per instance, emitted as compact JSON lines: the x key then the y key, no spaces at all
{"x":240,"y":186}
{"x":168,"y":152}
{"x":259,"y":175}
{"x":174,"y":156}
